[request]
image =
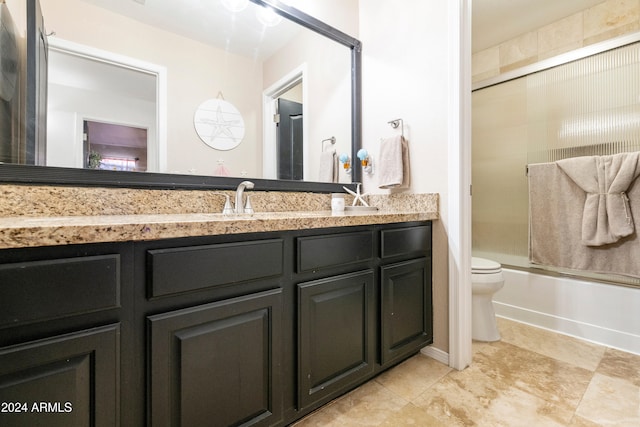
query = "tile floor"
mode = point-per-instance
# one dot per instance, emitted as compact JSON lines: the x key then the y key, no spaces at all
{"x":532,"y":377}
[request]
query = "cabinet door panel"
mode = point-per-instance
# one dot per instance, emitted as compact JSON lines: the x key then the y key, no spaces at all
{"x":217,"y":364}
{"x":336,"y":321}
{"x":65,"y":381}
{"x":405,"y":309}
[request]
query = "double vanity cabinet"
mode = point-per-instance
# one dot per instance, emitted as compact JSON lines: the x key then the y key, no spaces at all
{"x":242,"y":329}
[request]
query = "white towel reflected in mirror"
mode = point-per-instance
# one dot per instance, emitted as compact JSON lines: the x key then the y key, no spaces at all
{"x":328,"y":166}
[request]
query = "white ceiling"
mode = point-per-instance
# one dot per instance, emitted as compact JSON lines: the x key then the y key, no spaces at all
{"x":208,"y":21}
{"x":495,"y":21}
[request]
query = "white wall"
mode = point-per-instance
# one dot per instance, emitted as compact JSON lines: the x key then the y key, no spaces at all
{"x":406,"y":74}
{"x":597,"y":312}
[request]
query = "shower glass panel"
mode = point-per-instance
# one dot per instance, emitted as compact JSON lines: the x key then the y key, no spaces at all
{"x":589,"y":106}
{"x":499,"y":159}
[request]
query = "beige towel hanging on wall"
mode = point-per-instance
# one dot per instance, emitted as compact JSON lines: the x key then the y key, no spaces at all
{"x":556,"y":207}
{"x":393,"y":163}
{"x":607,"y":215}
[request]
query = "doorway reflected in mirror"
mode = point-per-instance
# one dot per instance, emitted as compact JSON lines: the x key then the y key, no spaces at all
{"x":116,"y":147}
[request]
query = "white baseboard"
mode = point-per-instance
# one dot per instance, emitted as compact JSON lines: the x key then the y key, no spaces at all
{"x":588,"y":332}
{"x":436,"y":353}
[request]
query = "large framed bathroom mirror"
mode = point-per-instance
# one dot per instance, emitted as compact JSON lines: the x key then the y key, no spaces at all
{"x":155,"y":93}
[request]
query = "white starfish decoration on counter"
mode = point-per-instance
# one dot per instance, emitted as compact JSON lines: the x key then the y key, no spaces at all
{"x":357,"y":196}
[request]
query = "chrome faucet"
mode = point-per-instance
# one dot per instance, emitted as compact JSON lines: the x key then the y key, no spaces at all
{"x":239,"y":206}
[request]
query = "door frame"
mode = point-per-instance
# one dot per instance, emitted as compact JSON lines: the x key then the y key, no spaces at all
{"x":156,"y":156}
{"x":269,"y":155}
{"x":459,"y":176}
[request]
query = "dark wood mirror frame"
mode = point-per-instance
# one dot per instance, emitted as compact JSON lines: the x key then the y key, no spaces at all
{"x":47,"y":175}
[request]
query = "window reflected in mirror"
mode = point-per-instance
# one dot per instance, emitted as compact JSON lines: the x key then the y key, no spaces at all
{"x":116,"y":147}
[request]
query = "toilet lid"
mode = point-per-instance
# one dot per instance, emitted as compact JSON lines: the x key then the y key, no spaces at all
{"x":484,"y":266}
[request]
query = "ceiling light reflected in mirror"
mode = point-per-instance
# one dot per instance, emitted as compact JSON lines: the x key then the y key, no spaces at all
{"x":268,"y":17}
{"x":235,"y":5}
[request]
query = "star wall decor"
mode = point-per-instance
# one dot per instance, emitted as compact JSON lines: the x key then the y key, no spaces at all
{"x":219,"y":124}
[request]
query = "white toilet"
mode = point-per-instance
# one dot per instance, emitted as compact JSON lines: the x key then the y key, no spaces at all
{"x":486,"y":280}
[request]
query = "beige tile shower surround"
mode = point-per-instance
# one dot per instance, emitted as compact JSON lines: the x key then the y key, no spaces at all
{"x":532,"y":377}
{"x":604,"y":21}
{"x":50,"y":215}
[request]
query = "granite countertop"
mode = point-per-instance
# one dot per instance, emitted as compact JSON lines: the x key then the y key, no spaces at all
{"x":48,"y":215}
{"x":26,"y":231}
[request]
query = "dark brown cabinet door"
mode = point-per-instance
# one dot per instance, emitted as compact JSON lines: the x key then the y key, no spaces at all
{"x":336,"y":335}
{"x":406,"y":313}
{"x":217,"y":364}
{"x":67,"y":381}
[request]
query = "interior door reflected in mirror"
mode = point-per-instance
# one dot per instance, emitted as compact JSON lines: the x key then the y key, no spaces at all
{"x":182,"y":55}
{"x":290,"y":139}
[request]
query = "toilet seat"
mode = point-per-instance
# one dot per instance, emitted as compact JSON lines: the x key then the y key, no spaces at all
{"x":484,"y":266}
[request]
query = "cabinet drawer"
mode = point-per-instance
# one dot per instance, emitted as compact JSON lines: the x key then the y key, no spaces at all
{"x":405,"y":241}
{"x":37,"y":291}
{"x":177,"y":270}
{"x":333,"y":250}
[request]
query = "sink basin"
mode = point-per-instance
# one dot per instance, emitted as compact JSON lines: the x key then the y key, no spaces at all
{"x":285,"y":214}
{"x":360,"y":208}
